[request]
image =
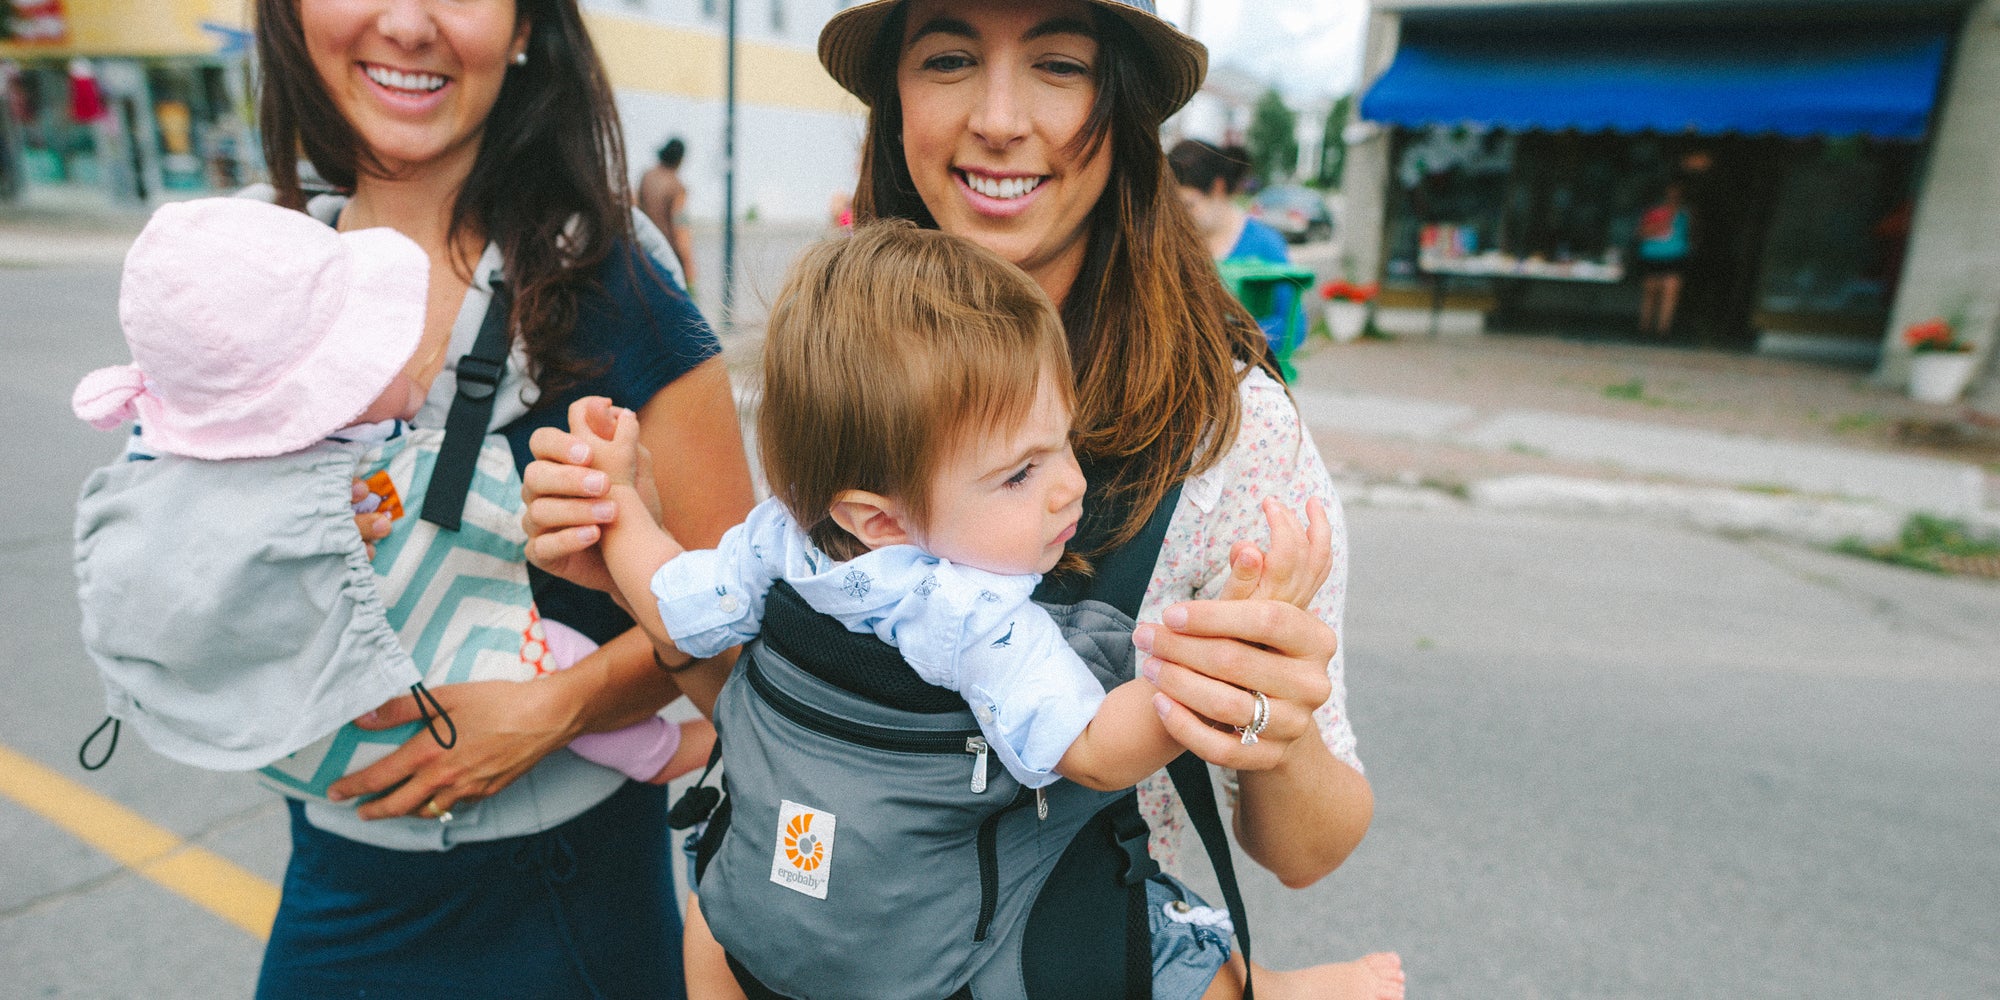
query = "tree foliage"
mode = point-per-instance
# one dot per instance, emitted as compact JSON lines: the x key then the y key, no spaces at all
{"x":1273,"y":137}
{"x":1333,"y":144}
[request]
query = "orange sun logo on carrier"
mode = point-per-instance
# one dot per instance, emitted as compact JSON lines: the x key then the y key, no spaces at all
{"x":802,"y":860}
{"x":802,"y":849}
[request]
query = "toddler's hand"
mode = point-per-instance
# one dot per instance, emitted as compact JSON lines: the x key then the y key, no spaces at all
{"x":1295,"y":565}
{"x":612,"y":434}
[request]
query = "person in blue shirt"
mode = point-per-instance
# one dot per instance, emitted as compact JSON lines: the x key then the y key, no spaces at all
{"x":1210,"y":178}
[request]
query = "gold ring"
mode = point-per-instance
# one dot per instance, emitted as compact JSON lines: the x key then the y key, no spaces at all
{"x":432,"y":810}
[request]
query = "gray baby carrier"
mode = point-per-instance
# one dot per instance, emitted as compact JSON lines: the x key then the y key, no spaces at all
{"x":869,"y":846}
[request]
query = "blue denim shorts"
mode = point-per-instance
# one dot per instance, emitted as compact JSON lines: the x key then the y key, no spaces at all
{"x":1190,"y":939}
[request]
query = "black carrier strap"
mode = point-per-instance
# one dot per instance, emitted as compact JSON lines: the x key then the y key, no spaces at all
{"x":479,"y":373}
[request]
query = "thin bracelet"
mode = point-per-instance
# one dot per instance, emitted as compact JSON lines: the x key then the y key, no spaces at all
{"x":661,"y":663}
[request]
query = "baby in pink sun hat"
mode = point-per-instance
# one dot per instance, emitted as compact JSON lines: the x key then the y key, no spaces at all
{"x":234,"y":612}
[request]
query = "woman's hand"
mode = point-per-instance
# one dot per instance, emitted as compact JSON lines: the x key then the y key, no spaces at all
{"x":1300,"y":811}
{"x":504,"y":728}
{"x":1208,"y":657}
{"x":565,"y":503}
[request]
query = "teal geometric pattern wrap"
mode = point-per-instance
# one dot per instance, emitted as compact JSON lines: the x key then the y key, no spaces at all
{"x":458,"y":600}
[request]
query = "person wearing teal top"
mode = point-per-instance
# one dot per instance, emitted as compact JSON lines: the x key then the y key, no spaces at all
{"x":1209,"y":179}
{"x":1666,"y":241}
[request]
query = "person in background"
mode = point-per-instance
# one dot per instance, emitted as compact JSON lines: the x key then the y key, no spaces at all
{"x":1666,"y":240}
{"x":505,"y":866}
{"x":663,"y":198}
{"x":1209,"y":180}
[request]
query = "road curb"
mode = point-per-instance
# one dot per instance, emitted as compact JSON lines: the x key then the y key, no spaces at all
{"x":1815,"y":521}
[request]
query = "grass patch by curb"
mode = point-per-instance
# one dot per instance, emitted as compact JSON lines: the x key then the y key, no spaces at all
{"x":1935,"y":544}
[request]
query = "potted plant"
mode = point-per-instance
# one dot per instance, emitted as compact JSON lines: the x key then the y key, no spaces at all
{"x":1940,"y":363}
{"x":1346,"y":308}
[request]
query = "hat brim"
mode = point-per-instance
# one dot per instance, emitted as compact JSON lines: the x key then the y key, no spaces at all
{"x":1178,"y":62}
{"x":370,"y":340}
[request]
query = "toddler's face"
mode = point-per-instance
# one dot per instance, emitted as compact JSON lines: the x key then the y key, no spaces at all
{"x":1008,"y":499}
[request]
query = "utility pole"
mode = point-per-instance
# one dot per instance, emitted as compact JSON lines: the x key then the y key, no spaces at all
{"x":729,"y":180}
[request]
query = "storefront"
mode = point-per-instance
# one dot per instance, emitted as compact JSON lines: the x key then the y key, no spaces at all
{"x":107,"y":104}
{"x":1525,"y":147}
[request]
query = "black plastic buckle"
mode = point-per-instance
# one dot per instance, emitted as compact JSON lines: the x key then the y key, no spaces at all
{"x":478,"y":377}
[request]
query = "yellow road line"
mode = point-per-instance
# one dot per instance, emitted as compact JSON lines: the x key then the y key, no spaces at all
{"x":201,"y":876}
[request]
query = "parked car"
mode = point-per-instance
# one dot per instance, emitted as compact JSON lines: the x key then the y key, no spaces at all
{"x":1299,"y":213}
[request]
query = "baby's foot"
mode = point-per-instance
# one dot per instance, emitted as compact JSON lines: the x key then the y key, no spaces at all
{"x":1371,"y":977}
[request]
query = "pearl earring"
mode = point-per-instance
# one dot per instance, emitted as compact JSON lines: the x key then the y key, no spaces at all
{"x":521,"y":58}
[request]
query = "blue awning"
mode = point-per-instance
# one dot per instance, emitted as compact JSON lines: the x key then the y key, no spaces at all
{"x":1799,"y":80}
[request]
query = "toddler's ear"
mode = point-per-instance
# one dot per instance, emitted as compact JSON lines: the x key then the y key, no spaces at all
{"x":875,"y":520}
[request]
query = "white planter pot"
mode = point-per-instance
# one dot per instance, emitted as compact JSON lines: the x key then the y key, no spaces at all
{"x":1345,"y":320}
{"x":1939,"y":376}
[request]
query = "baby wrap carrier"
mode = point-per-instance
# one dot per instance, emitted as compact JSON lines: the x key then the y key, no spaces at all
{"x":869,"y":845}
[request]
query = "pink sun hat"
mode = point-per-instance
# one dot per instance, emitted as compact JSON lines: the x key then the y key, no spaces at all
{"x":256,"y":330}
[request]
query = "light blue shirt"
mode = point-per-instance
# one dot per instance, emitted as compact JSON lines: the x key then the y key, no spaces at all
{"x":974,"y":632}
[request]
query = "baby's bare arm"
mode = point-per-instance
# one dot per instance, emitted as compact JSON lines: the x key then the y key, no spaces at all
{"x":1124,"y":742}
{"x":634,"y":545}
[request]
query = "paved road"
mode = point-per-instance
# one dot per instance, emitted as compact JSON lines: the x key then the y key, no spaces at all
{"x":1613,"y":758}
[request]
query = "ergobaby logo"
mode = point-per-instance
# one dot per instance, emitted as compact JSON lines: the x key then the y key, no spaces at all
{"x":803,"y":861}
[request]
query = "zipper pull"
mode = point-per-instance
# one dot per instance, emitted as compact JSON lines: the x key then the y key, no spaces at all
{"x":976,"y":745}
{"x":1041,"y":804}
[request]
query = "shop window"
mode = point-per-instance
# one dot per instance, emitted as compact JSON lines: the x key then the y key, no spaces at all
{"x":55,"y":147}
{"x":1838,"y":231}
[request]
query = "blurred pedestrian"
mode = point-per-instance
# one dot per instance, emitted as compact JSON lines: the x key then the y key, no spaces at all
{"x":1666,"y":241}
{"x":1210,"y":180}
{"x":663,"y":198}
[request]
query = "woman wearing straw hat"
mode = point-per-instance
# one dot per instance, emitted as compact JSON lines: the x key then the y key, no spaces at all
{"x":1031,"y":128}
{"x":504,"y":866}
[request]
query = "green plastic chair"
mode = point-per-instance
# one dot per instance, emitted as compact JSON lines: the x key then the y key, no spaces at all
{"x":1255,"y":283}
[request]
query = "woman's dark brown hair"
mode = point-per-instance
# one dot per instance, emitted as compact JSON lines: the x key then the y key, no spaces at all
{"x":548,"y":185}
{"x":1153,"y":335}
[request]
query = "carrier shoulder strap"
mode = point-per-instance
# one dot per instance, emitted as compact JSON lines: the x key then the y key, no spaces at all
{"x":479,"y":372}
{"x":1121,"y":581}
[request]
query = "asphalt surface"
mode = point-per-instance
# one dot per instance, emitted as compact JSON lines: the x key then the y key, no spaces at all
{"x":1613,"y":756}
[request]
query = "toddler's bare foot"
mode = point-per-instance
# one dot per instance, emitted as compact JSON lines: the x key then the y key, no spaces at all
{"x":1371,"y":977}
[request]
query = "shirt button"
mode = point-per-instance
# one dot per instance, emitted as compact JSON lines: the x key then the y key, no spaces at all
{"x":729,"y":603}
{"x":983,"y":714}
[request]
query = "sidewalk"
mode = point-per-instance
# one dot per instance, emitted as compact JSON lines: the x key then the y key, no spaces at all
{"x":1804,"y":451}
{"x":57,"y":228}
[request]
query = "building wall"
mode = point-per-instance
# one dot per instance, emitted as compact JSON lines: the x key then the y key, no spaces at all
{"x":1365,"y":182}
{"x":1952,"y":266}
{"x":137,"y":28}
{"x":798,"y":135}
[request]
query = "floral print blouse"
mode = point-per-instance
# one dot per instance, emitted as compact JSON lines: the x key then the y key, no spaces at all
{"x":1273,"y":457}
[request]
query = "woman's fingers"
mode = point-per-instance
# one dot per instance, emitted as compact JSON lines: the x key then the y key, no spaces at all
{"x":1219,"y":746}
{"x":1276,"y":625}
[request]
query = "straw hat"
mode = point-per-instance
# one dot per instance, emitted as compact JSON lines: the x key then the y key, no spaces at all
{"x":256,"y":330}
{"x":1178,"y":62}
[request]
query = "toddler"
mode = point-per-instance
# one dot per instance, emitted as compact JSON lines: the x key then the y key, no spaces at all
{"x":915,"y":431}
{"x":228,"y":599}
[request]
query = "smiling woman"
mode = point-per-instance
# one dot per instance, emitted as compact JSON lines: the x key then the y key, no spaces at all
{"x":502,"y":866}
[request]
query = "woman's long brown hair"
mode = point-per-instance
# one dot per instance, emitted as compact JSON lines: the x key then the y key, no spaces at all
{"x":1154,"y":336}
{"x":548,"y":184}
